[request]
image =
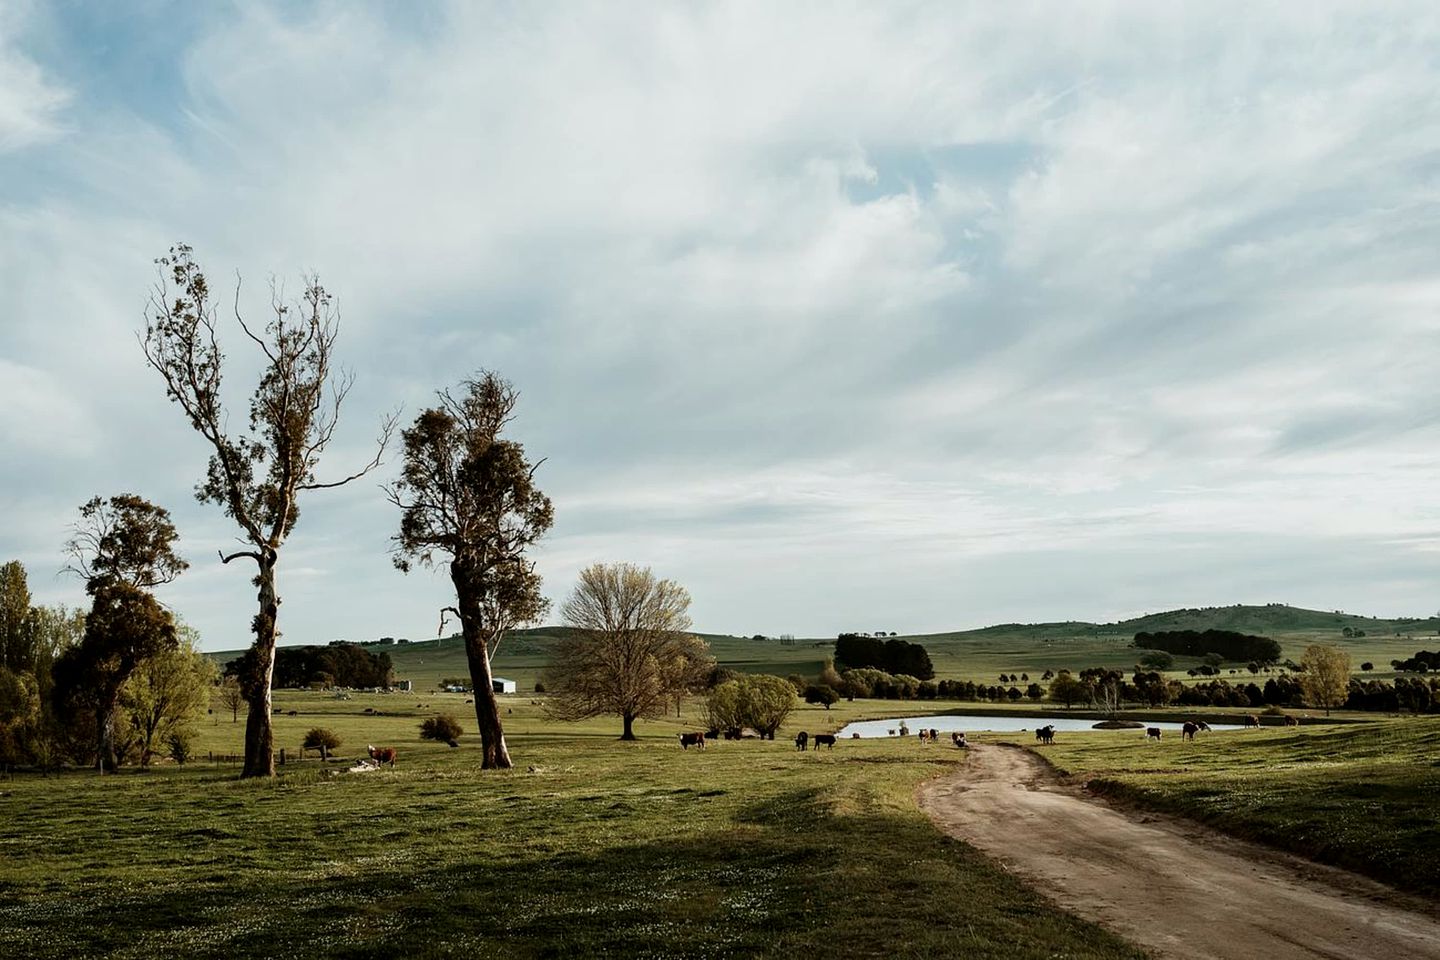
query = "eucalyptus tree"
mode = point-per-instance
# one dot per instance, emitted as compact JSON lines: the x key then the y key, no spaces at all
{"x":123,"y":547}
{"x":468,"y":499}
{"x":258,"y":474}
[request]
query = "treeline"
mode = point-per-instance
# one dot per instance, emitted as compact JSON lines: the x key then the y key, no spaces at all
{"x":1422,"y":662}
{"x":1226,"y":643}
{"x":86,"y":689}
{"x":892,"y":656}
{"x":335,"y":665}
{"x":1417,"y":695}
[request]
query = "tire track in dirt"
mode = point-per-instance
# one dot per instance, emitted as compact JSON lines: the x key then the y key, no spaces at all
{"x":1171,"y":886}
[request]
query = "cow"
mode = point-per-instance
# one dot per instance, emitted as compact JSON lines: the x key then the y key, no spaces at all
{"x":713,"y":733}
{"x":1251,"y":720}
{"x":1152,"y":733}
{"x":958,"y":739}
{"x":1291,"y":722}
{"x":382,"y":755}
{"x":1046,"y":734}
{"x":824,"y":740}
{"x":732,"y":734}
{"x":687,"y":740}
{"x":1187,"y":732}
{"x":801,"y":739}
{"x":1202,"y":726}
{"x":934,"y":735}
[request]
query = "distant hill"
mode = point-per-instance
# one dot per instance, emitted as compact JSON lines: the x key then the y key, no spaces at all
{"x":976,"y":653}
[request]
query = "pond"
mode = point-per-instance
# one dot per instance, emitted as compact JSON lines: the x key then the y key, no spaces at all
{"x":1001,"y":724}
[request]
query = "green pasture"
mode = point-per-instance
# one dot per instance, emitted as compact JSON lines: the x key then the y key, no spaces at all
{"x":1365,"y":796}
{"x":589,"y":847}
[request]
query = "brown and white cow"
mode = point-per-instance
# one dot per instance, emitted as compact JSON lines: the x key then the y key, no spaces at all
{"x":382,"y":754}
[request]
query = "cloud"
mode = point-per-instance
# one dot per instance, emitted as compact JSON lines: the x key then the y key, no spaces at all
{"x":829,"y":312}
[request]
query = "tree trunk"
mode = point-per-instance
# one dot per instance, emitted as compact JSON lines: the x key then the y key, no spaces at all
{"x":105,"y":758}
{"x":259,"y":738}
{"x":494,"y":754}
{"x":629,"y":733}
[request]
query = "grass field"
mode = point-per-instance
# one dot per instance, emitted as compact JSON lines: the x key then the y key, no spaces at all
{"x":1365,"y":796}
{"x":589,"y":847}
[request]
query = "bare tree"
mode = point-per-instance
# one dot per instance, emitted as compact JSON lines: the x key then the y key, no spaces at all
{"x":230,"y":696}
{"x":255,"y":476}
{"x":630,"y":653}
{"x":469,"y":498}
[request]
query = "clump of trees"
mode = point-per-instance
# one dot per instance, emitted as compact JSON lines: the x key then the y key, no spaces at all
{"x":893,"y":656}
{"x":1422,"y":661}
{"x":334,"y":665}
{"x":629,"y":652}
{"x":1227,"y":643}
{"x":757,"y":701}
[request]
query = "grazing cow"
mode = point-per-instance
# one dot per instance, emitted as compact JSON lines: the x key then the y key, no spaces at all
{"x":382,"y":755}
{"x":712,"y":734}
{"x":1202,"y":726}
{"x":687,"y":740}
{"x":958,"y":739}
{"x":1251,"y":720}
{"x":890,"y":732}
{"x":824,"y":740}
{"x":1152,"y":733}
{"x":923,"y":736}
{"x":934,"y":735}
{"x":1291,"y":722}
{"x":732,"y":734}
{"x":854,"y":736}
{"x":1187,"y":732}
{"x":801,"y":739}
{"x":1046,"y":734}
{"x":292,"y":713}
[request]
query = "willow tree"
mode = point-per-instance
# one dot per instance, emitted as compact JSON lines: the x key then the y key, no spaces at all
{"x":258,"y":474}
{"x":630,"y":653}
{"x":468,"y":499}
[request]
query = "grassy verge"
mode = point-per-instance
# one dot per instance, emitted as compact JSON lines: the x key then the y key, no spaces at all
{"x":588,"y":848}
{"x":1361,"y":796}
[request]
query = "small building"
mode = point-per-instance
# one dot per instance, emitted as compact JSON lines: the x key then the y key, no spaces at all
{"x":404,"y":686}
{"x":501,"y":685}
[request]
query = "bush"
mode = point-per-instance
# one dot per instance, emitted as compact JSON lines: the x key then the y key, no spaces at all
{"x":798,"y":682}
{"x":441,"y":727}
{"x":320,"y":738}
{"x":179,"y":745}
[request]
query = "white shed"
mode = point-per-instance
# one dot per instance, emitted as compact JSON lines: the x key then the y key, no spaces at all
{"x":501,"y":685}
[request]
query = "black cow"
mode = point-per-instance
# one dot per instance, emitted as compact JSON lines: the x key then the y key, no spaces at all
{"x":824,"y":740}
{"x":1046,"y":734}
{"x":801,"y":739}
{"x":687,"y":740}
{"x":1152,"y":733}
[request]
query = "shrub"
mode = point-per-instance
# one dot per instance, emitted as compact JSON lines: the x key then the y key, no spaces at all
{"x":539,"y":687}
{"x":798,"y":682}
{"x":441,"y":727}
{"x":321,"y":738}
{"x":178,"y":744}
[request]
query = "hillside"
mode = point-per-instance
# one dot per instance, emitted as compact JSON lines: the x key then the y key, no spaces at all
{"x":976,"y":654}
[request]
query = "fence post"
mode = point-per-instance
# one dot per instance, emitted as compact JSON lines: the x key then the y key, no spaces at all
{"x":282,"y":756}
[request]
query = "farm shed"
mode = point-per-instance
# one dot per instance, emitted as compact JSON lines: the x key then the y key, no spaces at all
{"x":501,"y":685}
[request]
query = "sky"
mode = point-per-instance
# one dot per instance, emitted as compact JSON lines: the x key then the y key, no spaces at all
{"x":897,"y":316}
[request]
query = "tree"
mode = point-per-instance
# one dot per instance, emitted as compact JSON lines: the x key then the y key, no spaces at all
{"x":230,"y":696}
{"x":257,"y":475}
{"x":441,"y":727}
{"x":1326,"y":677}
{"x":16,"y":626}
{"x":765,"y":702}
{"x":167,"y":693}
{"x":629,"y":653}
{"x":1367,"y":666}
{"x":822,"y":694}
{"x":321,"y":738}
{"x":1156,"y":660}
{"x":123,"y":547}
{"x":468,"y":497}
{"x":1067,"y":690}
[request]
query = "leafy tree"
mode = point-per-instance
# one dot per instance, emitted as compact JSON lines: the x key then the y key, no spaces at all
{"x":1326,"y":677}
{"x":1067,"y":690}
{"x":822,"y":694}
{"x":123,"y":547}
{"x":17,"y":642}
{"x":1156,"y":660}
{"x":629,"y":652}
{"x":19,"y":714}
{"x":829,"y":677}
{"x":765,"y":702}
{"x":468,"y":497}
{"x":167,"y":692}
{"x":1035,"y":692}
{"x":258,"y":475}
{"x":1367,"y":666}
{"x":798,"y":682}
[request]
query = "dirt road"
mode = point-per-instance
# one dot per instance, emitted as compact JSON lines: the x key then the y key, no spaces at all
{"x":1173,"y":887}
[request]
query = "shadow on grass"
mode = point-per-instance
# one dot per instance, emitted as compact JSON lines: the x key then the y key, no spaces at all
{"x":779,"y":877}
